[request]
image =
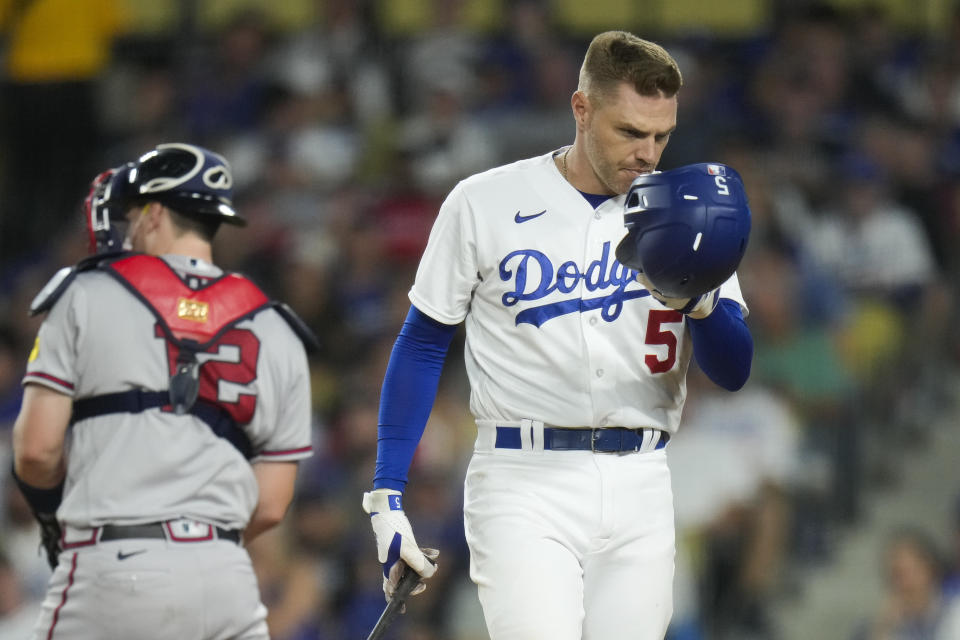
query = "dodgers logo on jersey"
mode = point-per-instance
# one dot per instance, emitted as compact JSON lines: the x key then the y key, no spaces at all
{"x":534,"y":278}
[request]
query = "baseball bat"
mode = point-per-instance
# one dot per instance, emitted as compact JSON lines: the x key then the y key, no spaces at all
{"x":407,"y":582}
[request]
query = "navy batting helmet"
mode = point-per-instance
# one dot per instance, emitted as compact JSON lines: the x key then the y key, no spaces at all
{"x":687,"y":228}
{"x":186,"y":178}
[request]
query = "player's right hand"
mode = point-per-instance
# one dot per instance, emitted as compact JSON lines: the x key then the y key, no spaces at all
{"x":396,"y":546}
{"x":697,"y":308}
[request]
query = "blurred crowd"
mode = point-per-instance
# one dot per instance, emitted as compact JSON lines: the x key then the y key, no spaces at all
{"x":347,"y":126}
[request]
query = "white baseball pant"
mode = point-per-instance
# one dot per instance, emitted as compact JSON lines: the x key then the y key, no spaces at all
{"x":570,"y":545}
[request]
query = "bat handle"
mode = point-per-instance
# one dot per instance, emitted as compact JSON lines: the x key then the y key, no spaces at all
{"x":406,"y":584}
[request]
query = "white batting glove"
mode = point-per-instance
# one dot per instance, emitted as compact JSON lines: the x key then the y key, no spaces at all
{"x":697,"y":308}
{"x":396,"y":546}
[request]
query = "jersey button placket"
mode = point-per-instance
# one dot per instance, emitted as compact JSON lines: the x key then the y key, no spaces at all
{"x":597,"y":234}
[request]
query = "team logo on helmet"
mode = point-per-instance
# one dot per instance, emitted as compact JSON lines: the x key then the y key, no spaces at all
{"x":215,"y":177}
{"x":218,"y":178}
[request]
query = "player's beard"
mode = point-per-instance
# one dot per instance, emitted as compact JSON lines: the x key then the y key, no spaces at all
{"x":608,"y":172}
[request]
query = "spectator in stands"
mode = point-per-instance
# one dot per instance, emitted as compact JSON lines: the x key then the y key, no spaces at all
{"x":856,"y":239}
{"x":951,"y":580}
{"x":733,"y":514}
{"x":913,"y":606}
{"x":799,"y":357}
{"x":443,"y":141}
{"x":226,"y":86}
{"x":11,"y":362}
{"x":443,"y":54}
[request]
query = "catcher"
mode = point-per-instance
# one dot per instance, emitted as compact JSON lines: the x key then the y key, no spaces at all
{"x":166,"y":405}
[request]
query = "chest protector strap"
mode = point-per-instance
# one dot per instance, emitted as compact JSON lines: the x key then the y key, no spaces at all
{"x":137,"y":400}
{"x":192,"y":319}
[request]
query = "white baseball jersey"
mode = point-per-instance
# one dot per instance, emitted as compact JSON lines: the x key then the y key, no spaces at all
{"x":129,"y":468}
{"x":557,"y":330}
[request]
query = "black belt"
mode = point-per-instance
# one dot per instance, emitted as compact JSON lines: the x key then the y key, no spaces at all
{"x":608,"y":440}
{"x":159,"y":530}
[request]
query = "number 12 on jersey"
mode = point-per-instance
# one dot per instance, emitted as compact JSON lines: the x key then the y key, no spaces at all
{"x":233,"y":359}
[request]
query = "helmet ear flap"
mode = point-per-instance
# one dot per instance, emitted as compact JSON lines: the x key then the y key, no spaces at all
{"x":626,"y":252}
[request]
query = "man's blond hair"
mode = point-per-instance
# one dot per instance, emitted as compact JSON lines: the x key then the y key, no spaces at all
{"x":618,"y":56}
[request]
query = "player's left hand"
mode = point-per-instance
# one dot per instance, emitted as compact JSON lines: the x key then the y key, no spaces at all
{"x":697,"y":308}
{"x":50,"y":534}
{"x":396,"y":546}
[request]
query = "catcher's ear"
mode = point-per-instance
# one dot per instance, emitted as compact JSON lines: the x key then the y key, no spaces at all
{"x":153,"y":212}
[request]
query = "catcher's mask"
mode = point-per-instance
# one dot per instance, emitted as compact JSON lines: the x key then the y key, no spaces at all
{"x":687,"y":228}
{"x":105,"y":210}
{"x":189,"y":179}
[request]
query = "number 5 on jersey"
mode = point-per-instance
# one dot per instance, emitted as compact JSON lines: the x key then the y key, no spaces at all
{"x":656,"y":334}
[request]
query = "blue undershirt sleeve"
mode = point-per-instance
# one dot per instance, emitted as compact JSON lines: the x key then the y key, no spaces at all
{"x":723,"y":346}
{"x":408,"y":393}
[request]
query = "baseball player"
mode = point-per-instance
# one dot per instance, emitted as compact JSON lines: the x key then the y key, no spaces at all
{"x":166,"y":405}
{"x":577,"y":372}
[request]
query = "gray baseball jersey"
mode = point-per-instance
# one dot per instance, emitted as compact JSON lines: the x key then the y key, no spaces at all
{"x":125,"y":468}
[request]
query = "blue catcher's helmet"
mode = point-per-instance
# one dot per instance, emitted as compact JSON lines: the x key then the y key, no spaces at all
{"x":687,"y":228}
{"x":186,"y":178}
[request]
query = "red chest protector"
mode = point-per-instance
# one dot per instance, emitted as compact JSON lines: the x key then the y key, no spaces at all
{"x":199,"y":314}
{"x":191,"y":318}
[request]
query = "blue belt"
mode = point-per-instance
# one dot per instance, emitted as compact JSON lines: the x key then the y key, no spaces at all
{"x":609,"y":440}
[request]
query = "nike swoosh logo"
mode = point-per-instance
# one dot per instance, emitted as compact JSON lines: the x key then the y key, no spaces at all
{"x":123,"y":556}
{"x":519,"y":218}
